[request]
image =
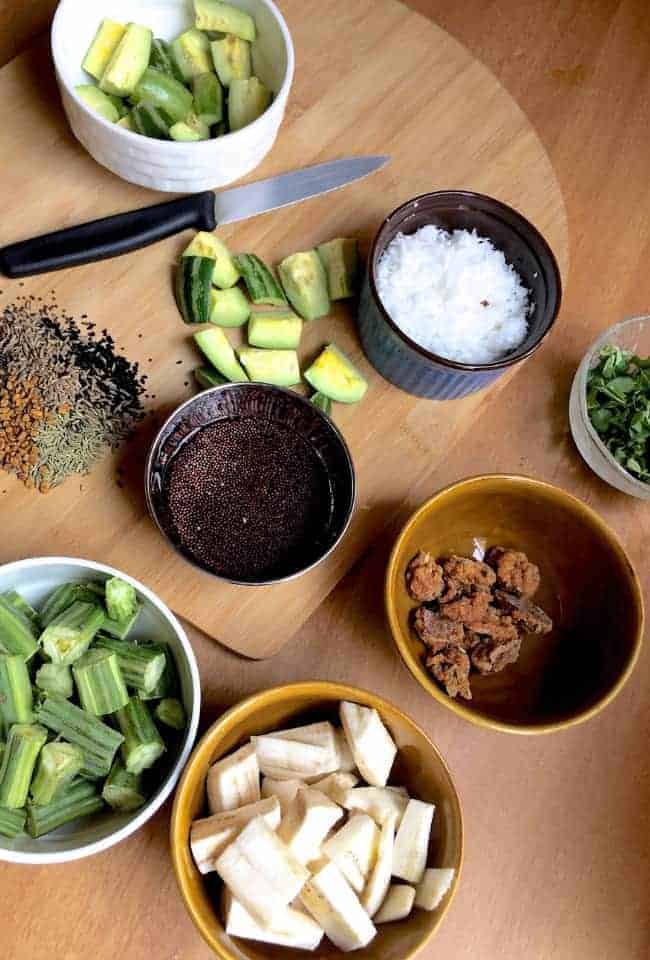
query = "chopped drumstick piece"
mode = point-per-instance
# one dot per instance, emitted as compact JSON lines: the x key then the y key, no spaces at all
{"x":424,"y":579}
{"x":514,"y":571}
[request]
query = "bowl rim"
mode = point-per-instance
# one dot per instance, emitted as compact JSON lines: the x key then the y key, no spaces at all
{"x":167,"y":786}
{"x":586,"y":364}
{"x":270,"y":388}
{"x":278,"y":99}
{"x":413,"y":662}
{"x":460,"y":198}
{"x":324,"y":688}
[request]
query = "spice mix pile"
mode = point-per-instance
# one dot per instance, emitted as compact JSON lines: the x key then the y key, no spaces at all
{"x":66,"y":397}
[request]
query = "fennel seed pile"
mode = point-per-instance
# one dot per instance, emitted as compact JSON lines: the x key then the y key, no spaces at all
{"x":66,"y":396}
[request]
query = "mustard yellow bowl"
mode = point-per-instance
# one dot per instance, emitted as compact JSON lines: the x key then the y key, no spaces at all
{"x":418,"y":766}
{"x":588,"y":586}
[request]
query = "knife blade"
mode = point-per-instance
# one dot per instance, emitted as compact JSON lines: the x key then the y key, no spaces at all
{"x":124,"y":232}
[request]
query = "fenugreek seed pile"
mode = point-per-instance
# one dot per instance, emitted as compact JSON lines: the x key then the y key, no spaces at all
{"x":66,"y":397}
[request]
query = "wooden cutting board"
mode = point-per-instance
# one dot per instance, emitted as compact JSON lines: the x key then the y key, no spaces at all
{"x":371,"y":77}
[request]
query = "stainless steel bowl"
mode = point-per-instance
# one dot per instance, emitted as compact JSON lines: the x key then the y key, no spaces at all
{"x":234,"y":401}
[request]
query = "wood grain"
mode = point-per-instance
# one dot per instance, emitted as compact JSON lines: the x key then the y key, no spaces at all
{"x":498,"y":153}
{"x":558,"y":828}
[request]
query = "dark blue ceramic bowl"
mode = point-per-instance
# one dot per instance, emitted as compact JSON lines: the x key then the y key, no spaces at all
{"x":412,"y":367}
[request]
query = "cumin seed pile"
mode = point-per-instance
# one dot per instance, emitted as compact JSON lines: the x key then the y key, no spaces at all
{"x":66,"y":397}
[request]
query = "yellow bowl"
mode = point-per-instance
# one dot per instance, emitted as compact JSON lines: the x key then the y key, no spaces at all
{"x":589,"y":588}
{"x":418,"y":766}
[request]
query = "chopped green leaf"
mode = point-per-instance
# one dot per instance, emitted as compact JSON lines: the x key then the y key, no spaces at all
{"x":618,"y":403}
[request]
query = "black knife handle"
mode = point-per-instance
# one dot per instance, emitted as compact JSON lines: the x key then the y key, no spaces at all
{"x":108,"y":237}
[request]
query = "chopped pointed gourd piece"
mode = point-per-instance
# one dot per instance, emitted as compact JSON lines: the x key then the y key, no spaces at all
{"x":322,"y":402}
{"x":17,"y":632}
{"x":141,"y":666}
{"x":433,"y":887}
{"x":98,"y":101}
{"x":291,"y":760}
{"x":103,"y":46}
{"x":234,"y":780}
{"x":58,"y":764}
{"x":214,"y":344}
{"x":375,"y":890}
{"x":210,"y":836}
{"x":18,"y":762}
{"x":12,"y":822}
{"x":122,"y":790}
{"x":208,"y":98}
{"x":100,"y":683}
{"x":163,"y":59}
{"x":229,"y":308}
{"x":232,"y":58}
{"x":190,"y":130}
{"x":55,"y":678}
{"x":97,"y":740}
{"x":19,"y":603}
{"x":191,"y":51}
{"x":128,"y":62}
{"x":142,"y":744}
{"x":279,"y":367}
{"x":336,"y":785}
{"x":68,"y":636}
{"x":397,"y":905}
{"x":334,"y":905}
{"x":171,"y":712}
{"x":224,"y":18}
{"x":207,"y":377}
{"x":161,"y":90}
{"x":340,"y":258}
{"x":371,"y":744}
{"x":308,"y":821}
{"x":127,"y":123}
{"x":274,"y":328}
{"x":333,"y":374}
{"x":193,"y":287}
{"x":261,"y":872}
{"x":412,"y":841}
{"x":305,"y":283}
{"x":226,"y":273}
{"x":353,"y":849}
{"x":290,"y":927}
{"x":259,"y":279}
{"x":15,"y":690}
{"x":79,"y":799}
{"x":248,"y":99}
{"x":151,"y":121}
{"x":380,"y":803}
{"x":284,"y":790}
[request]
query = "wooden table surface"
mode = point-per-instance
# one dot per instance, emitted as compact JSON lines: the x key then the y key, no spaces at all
{"x":557,"y":827}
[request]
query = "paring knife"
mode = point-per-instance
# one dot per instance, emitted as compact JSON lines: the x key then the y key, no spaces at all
{"x":112,"y":236}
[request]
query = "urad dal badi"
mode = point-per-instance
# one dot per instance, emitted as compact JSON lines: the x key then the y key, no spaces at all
{"x":474,"y":615}
{"x":454,"y":294}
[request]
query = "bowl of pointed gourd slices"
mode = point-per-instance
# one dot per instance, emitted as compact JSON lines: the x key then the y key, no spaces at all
{"x":318,"y":817}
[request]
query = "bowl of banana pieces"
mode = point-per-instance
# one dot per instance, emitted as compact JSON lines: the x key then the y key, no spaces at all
{"x":318,"y":817}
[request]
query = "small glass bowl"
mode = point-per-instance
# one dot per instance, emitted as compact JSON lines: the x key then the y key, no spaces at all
{"x":632,"y":335}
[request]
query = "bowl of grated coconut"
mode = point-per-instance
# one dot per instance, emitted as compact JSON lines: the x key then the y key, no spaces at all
{"x":459,"y":288}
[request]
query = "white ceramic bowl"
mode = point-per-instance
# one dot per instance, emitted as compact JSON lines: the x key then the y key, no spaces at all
{"x":165,"y":164}
{"x":35,"y":579}
{"x":632,"y":335}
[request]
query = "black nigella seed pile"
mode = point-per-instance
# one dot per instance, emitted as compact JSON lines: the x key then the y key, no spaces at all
{"x":248,"y":499}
